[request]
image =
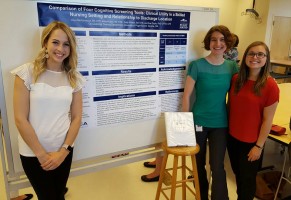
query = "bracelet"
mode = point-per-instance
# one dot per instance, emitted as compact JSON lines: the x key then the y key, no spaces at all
{"x":258,"y":146}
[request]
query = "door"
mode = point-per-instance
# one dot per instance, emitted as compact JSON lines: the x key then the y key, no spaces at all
{"x":281,"y":38}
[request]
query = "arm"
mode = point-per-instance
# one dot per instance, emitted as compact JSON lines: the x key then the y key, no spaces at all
{"x":232,"y":84}
{"x":188,"y":90}
{"x":228,"y":106}
{"x":76,"y":116}
{"x":268,"y":116}
{"x":21,"y":101}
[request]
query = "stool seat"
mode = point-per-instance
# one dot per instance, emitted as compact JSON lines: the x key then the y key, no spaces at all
{"x":179,"y":152}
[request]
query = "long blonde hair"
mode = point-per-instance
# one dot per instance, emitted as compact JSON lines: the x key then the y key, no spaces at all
{"x":244,"y":71}
{"x":69,"y":64}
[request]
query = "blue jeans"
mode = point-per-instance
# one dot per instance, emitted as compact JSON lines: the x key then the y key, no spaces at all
{"x":217,"y":138}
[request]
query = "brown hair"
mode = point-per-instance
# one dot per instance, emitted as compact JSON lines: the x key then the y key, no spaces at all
{"x":244,"y":70}
{"x":221,"y":29}
{"x":235,"y":40}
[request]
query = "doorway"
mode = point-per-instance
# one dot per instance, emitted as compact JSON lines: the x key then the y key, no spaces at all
{"x":281,"y":38}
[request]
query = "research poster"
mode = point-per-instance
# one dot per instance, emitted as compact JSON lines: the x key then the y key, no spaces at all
{"x":134,"y":60}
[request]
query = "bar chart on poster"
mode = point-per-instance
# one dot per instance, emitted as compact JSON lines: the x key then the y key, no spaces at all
{"x":133,"y":56}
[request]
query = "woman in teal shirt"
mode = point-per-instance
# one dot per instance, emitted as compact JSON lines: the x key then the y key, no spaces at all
{"x":209,"y":79}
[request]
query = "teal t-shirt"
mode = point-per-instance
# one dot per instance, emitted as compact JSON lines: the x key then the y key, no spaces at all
{"x":212,"y":83}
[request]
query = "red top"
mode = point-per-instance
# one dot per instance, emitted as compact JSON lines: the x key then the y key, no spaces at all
{"x":246,"y":109}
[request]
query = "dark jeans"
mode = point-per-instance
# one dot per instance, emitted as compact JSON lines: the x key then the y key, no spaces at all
{"x":48,"y":185}
{"x":217,"y":138}
{"x":245,"y":171}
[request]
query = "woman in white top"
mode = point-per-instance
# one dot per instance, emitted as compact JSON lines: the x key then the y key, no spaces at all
{"x":48,"y":111}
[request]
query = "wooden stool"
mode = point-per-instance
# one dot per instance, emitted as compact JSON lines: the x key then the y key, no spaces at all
{"x":183,"y":152}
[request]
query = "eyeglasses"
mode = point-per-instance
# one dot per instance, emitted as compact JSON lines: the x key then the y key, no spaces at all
{"x":259,"y":54}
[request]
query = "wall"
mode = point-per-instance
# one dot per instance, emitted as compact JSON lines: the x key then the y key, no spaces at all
{"x":230,"y":15}
{"x":230,"y":11}
{"x":226,"y":7}
{"x":247,"y":28}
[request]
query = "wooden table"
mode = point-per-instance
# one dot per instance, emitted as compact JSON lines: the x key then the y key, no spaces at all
{"x":283,"y":112}
{"x":282,"y":118}
{"x":281,"y":63}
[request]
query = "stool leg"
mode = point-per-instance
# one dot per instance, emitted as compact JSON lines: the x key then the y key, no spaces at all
{"x":183,"y":177}
{"x":196,"y":178}
{"x":174,"y":178}
{"x":162,"y":174}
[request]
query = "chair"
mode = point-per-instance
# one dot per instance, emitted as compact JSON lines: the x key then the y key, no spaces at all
{"x":176,"y":152}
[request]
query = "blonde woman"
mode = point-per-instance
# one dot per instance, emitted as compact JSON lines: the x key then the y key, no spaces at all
{"x":48,"y":111}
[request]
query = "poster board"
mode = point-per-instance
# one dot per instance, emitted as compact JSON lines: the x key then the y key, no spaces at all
{"x":20,"y":36}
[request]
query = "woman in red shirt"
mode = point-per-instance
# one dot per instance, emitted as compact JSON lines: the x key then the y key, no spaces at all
{"x":253,"y":100}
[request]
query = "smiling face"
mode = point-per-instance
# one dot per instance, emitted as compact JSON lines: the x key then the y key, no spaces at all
{"x":256,"y":57}
{"x":217,"y":43}
{"x":58,"y":48}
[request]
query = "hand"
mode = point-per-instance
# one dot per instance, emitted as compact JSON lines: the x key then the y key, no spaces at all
{"x":254,"y":154}
{"x":55,"y":159}
{"x":43,"y":158}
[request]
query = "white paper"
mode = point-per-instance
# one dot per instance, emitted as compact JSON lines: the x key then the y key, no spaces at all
{"x":180,"y":129}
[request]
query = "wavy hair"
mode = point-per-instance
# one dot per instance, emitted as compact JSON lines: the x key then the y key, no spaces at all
{"x":228,"y":38}
{"x":245,"y":71}
{"x":69,"y":64}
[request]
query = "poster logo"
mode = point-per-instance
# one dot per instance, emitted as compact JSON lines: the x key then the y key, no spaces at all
{"x":184,"y":24}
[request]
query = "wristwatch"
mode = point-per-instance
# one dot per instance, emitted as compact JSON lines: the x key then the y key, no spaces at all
{"x":68,"y":147}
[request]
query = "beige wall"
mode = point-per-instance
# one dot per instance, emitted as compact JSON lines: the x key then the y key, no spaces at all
{"x":230,"y":11}
{"x":230,"y":15}
{"x":226,"y":7}
{"x":247,"y":28}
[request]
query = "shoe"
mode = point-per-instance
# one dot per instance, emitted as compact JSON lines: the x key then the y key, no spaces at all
{"x":190,"y":176}
{"x":28,"y":196}
{"x":148,"y":165}
{"x":66,"y":190}
{"x":144,"y":178}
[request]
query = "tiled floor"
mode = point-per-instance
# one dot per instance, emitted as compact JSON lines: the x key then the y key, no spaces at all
{"x":123,"y":183}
